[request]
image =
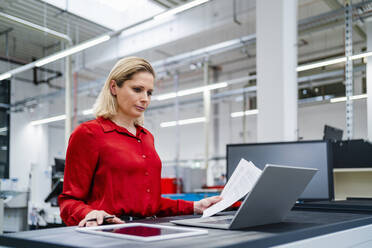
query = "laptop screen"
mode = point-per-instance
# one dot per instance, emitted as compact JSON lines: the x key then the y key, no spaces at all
{"x":309,"y":154}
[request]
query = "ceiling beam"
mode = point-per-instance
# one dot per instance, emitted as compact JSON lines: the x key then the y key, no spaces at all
{"x":333,"y":5}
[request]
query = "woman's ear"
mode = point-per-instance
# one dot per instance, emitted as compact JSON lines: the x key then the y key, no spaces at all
{"x":113,"y":86}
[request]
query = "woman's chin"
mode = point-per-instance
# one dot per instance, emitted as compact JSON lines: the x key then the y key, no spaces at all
{"x":137,"y":114}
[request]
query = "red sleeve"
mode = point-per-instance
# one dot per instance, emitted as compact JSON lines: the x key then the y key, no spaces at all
{"x":169,"y":207}
{"x":81,"y":160}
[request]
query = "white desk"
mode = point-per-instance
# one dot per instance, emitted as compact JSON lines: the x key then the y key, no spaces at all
{"x":359,"y":237}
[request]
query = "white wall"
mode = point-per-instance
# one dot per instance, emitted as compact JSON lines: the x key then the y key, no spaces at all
{"x":56,"y":138}
{"x":29,"y":144}
{"x":313,"y":118}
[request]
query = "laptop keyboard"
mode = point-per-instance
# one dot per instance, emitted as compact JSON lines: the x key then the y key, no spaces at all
{"x":225,"y":221}
{"x":218,"y":220}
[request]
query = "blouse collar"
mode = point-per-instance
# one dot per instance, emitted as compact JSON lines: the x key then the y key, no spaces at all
{"x":109,"y":126}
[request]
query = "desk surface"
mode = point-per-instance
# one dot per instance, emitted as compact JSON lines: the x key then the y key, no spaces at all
{"x":298,"y":225}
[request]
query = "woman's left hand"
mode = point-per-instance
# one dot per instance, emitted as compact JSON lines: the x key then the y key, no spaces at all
{"x":205,"y":203}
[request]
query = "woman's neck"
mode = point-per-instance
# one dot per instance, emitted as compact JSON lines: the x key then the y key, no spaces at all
{"x":125,"y":122}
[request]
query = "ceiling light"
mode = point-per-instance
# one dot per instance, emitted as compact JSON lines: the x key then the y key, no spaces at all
{"x":190,"y":91}
{"x":248,"y":112}
{"x":332,"y":61}
{"x":344,"y":98}
{"x":320,"y":64}
{"x":362,"y":55}
{"x":192,"y":66}
{"x":72,"y":50}
{"x":87,"y":112}
{"x":182,"y":122}
{"x":356,"y":97}
{"x":165,"y":96}
{"x":48,"y":120}
{"x":57,"y":118}
{"x":179,"y":9}
{"x":5,"y":76}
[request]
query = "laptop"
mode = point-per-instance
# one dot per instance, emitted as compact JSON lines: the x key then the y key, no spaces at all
{"x":269,"y":201}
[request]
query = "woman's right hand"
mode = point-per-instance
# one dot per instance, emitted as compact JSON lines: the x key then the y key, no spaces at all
{"x":96,"y":217}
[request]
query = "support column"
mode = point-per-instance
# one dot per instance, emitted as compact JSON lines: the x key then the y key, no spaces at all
{"x":369,"y":81}
{"x":216,"y":116}
{"x":349,"y":68}
{"x":68,"y":99}
{"x":246,"y":106}
{"x":207,"y":115}
{"x":276,"y":30}
{"x":178,"y":132}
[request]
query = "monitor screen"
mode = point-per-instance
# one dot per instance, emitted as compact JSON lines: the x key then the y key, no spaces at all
{"x":310,"y":154}
{"x":332,"y":133}
{"x":59,"y":164}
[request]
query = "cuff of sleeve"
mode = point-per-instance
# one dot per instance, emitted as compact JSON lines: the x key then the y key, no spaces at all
{"x":80,"y":214}
{"x":186,"y":207}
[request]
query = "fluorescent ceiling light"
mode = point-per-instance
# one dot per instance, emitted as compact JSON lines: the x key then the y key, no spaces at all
{"x":332,"y":61}
{"x":338,"y":99}
{"x":190,"y":91}
{"x":72,"y":50}
{"x":343,"y":99}
{"x":5,"y":76}
{"x":165,"y":96}
{"x":248,"y":112}
{"x":48,"y":120}
{"x":179,"y":9}
{"x":362,"y":55}
{"x":57,"y":118}
{"x":356,"y":97}
{"x":87,"y":112}
{"x":182,"y":122}
{"x":321,"y":64}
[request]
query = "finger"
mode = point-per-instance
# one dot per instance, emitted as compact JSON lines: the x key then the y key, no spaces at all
{"x":91,"y":215}
{"x":82,"y":223}
{"x":115,"y":220}
{"x":91,"y":223}
{"x":207,"y":202}
{"x":100,"y":217}
{"x":203,"y":204}
{"x":215,"y":199}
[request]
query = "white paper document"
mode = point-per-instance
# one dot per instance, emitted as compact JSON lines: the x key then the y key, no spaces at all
{"x":240,"y":183}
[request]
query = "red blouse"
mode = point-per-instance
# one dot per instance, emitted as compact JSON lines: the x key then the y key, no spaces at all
{"x":108,"y":168}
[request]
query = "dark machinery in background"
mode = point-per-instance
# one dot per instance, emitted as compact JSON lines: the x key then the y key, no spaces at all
{"x":57,"y":181}
{"x":348,"y":153}
{"x":352,"y":154}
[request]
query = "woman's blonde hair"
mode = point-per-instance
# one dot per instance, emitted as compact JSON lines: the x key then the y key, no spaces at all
{"x":106,"y":103}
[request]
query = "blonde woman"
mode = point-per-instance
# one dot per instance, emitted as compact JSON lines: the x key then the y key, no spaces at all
{"x":112,"y":169}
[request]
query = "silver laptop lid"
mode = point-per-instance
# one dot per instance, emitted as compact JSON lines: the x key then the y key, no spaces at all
{"x":273,"y":195}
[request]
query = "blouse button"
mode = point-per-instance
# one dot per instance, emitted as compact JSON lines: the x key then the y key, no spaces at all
{"x":146,"y":173}
{"x":139,"y":141}
{"x":144,"y":156}
{"x":148,"y":190}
